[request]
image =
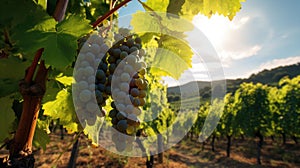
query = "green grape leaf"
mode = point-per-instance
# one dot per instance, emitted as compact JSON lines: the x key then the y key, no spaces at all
{"x":168,"y":35}
{"x":58,"y":40}
{"x":62,"y":108}
{"x":9,"y":81}
{"x":41,"y":138}
{"x":52,"y":89}
{"x":7,"y":117}
{"x":173,"y":59}
{"x":190,"y":8}
{"x":74,"y":25}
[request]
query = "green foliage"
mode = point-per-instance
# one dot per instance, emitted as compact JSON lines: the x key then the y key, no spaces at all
{"x":286,"y":106}
{"x":58,"y":40}
{"x":7,"y":117}
{"x":167,"y":39}
{"x":63,"y":108}
{"x":29,"y":26}
{"x":191,"y":8}
{"x":9,"y":82}
{"x":41,"y":138}
{"x":252,"y":105}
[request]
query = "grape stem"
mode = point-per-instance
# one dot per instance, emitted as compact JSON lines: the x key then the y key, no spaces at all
{"x":108,"y":14}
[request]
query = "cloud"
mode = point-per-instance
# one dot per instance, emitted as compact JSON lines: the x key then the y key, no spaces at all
{"x":280,"y":62}
{"x":240,"y":54}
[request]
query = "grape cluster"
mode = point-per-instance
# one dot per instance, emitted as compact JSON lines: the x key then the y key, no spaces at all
{"x":117,"y":71}
{"x":88,"y":93}
{"x":129,"y":88}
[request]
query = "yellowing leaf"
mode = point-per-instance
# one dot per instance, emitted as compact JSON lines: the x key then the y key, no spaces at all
{"x":62,"y":108}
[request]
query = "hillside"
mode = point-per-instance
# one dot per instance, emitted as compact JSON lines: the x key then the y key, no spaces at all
{"x":269,"y":77}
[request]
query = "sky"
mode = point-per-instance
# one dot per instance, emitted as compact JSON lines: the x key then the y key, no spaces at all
{"x":265,"y":34}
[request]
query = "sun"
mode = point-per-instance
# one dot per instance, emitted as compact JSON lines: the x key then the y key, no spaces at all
{"x":218,"y":29}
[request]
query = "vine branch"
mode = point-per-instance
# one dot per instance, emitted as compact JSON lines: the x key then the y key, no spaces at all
{"x":108,"y":14}
{"x":60,"y":10}
{"x":31,"y":69}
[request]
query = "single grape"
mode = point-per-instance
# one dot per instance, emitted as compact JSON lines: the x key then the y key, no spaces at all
{"x":100,"y":99}
{"x":118,"y":61}
{"x":129,"y":109}
{"x":120,"y":146}
{"x":124,"y":86}
{"x":142,"y":101}
{"x":120,"y":107}
{"x":91,"y":79}
{"x":85,"y":95}
{"x":123,"y":54}
{"x":125,"y":77}
{"x":131,"y":59}
{"x":134,"y":50}
{"x":130,"y":130}
{"x":130,"y":42}
{"x":122,"y":125}
{"x":138,"y":82}
{"x":82,"y":85}
{"x":120,"y":95}
{"x":113,"y":113}
{"x":132,"y":83}
{"x":138,"y":40}
{"x":121,"y":137}
{"x":89,"y":56}
{"x":84,"y":64}
{"x":103,"y":66}
{"x":95,"y":48}
{"x":136,"y":102}
{"x":121,"y":115}
{"x":113,"y":105}
{"x":100,"y":74}
{"x":128,"y":68}
{"x":114,"y":121}
{"x":142,"y":94}
{"x":101,"y":87}
{"x":89,"y":71}
{"x":111,"y":60}
{"x":85,"y":48}
{"x":134,"y":92}
{"x":116,"y":52}
{"x":125,"y":48}
{"x":142,"y":71}
{"x":91,"y":107}
{"x":136,"y":76}
{"x":138,"y":46}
